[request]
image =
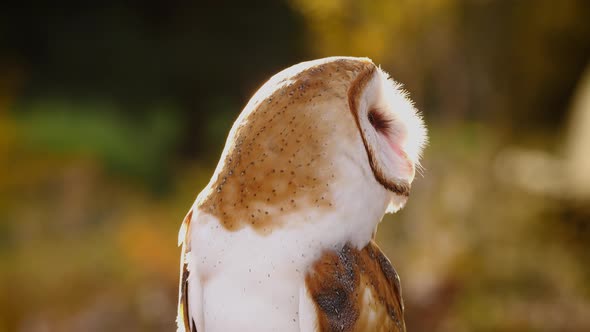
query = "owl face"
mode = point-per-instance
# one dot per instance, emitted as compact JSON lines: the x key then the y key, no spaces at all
{"x":312,"y":137}
{"x":392,"y":131}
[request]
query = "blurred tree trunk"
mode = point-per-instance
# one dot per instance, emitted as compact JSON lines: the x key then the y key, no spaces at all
{"x":578,"y":140}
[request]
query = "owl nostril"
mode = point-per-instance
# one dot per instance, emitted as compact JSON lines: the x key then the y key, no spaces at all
{"x":379,"y":121}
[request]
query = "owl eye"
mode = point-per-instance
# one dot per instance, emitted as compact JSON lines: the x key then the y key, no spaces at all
{"x":379,"y":121}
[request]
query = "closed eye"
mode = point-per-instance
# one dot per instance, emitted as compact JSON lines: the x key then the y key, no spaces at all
{"x":379,"y":121}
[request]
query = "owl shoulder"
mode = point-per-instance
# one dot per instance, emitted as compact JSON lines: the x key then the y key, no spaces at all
{"x":355,"y":290}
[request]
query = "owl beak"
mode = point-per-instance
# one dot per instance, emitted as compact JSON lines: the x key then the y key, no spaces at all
{"x":407,"y":169}
{"x":403,"y":166}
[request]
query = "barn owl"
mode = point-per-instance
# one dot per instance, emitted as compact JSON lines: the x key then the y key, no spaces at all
{"x":281,"y":238}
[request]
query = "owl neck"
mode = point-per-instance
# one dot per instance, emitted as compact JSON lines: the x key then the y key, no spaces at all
{"x":341,"y":202}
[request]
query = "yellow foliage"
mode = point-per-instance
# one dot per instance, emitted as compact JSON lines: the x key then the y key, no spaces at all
{"x":147,"y":246}
{"x":377,"y":29}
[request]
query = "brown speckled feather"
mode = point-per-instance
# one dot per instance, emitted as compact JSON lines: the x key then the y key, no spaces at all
{"x":280,"y":159}
{"x":356,"y":290}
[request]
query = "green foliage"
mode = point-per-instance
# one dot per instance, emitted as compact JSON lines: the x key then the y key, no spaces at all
{"x":138,"y":146}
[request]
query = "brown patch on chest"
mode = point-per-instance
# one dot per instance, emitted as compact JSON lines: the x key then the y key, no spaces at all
{"x":279,"y":158}
{"x":356,"y":290}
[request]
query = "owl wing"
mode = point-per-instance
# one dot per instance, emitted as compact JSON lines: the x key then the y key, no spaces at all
{"x":354,"y":290}
{"x":184,"y":319}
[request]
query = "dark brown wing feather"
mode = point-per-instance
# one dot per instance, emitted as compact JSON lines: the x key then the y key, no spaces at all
{"x":184,"y":319}
{"x":356,"y":290}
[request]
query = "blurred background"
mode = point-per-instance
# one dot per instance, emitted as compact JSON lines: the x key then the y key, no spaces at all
{"x":112,"y":118}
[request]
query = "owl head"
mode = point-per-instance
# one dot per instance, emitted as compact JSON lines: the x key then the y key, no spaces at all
{"x":312,"y":137}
